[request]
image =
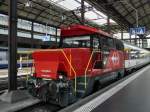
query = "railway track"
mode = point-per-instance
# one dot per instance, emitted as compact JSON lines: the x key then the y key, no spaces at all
{"x":42,"y":107}
{"x":47,"y":107}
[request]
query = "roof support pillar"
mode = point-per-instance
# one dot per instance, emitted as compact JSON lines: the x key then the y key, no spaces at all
{"x":56,"y":35}
{"x":12,"y":46}
{"x":135,"y":40}
{"x":142,"y":43}
{"x":108,"y":23}
{"x":32,"y":33}
{"x":82,"y":12}
{"x":139,"y":42}
{"x":130,"y":36}
{"x":121,"y":33}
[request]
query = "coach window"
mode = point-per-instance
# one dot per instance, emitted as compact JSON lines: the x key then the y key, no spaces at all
{"x":96,"y":43}
{"x":110,"y":43}
{"x":105,"y":45}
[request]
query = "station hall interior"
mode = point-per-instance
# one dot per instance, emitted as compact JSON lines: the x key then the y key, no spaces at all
{"x":74,"y":55}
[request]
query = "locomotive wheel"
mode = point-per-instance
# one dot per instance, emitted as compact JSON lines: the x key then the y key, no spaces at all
{"x":64,"y":99}
{"x":67,"y":96}
{"x":42,"y":93}
{"x":97,"y":86}
{"x":120,"y":75}
{"x":32,"y":90}
{"x":52,"y":88}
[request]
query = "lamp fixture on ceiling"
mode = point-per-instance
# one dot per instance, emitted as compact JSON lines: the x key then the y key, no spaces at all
{"x":28,"y":3}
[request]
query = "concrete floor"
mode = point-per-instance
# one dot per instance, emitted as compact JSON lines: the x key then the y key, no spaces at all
{"x":135,"y":97}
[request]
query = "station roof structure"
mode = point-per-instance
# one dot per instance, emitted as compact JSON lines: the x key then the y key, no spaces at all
{"x":44,"y":11}
{"x":56,"y":12}
{"x":124,"y":11}
{"x":39,"y":10}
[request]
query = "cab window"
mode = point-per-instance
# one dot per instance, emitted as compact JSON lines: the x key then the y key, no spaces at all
{"x":110,"y":42}
{"x":107,"y":43}
{"x":119,"y":45}
{"x":75,"y":42}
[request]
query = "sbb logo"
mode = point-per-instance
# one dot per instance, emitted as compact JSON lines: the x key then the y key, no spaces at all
{"x":115,"y":58}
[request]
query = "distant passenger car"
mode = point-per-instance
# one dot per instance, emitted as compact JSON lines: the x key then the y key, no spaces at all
{"x":135,"y":57}
{"x":23,"y":53}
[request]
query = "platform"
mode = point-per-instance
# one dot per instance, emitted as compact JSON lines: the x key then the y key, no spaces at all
{"x":21,"y":72}
{"x":18,"y":104}
{"x":130,"y":94}
{"x":135,"y":97}
{"x":8,"y":107}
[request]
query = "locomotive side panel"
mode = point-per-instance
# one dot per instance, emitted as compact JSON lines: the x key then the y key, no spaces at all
{"x":72,"y":62}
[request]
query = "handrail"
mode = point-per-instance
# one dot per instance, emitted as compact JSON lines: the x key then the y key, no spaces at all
{"x":85,"y":74}
{"x":87,"y":69}
{"x":71,"y":68}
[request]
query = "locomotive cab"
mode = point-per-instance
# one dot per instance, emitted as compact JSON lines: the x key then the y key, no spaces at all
{"x":85,"y":58}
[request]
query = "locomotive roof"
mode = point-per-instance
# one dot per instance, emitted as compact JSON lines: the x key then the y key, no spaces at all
{"x":78,"y":30}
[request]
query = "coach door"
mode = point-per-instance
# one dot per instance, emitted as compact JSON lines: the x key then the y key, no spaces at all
{"x":97,"y":53}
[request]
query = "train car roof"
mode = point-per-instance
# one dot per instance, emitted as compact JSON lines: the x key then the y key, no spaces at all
{"x":133,"y":47}
{"x":78,"y":30}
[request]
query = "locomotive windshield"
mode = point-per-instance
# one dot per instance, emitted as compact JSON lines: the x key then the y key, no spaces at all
{"x":76,"y":42}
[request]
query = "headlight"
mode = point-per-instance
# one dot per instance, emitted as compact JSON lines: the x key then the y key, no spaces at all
{"x":32,"y":74}
{"x":60,"y":77}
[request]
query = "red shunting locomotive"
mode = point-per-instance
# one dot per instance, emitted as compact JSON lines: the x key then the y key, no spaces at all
{"x":85,"y":59}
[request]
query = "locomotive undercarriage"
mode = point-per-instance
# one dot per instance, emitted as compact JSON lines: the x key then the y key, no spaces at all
{"x":59,"y":92}
{"x":62,"y":91}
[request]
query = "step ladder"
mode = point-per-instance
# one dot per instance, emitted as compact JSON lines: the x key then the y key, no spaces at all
{"x":81,"y":90}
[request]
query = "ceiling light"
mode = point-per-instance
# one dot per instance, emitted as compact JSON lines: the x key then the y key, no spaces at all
{"x":28,"y":3}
